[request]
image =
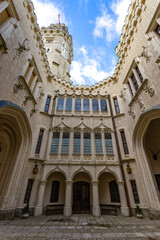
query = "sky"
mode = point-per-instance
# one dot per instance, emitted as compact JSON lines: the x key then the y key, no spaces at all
{"x":95,"y":26}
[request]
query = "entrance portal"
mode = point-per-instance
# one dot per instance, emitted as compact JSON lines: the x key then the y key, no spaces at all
{"x":81,"y":197}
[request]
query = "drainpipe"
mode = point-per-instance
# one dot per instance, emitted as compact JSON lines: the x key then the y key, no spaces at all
{"x":119,"y":155}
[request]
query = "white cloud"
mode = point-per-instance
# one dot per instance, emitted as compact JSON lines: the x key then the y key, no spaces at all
{"x":108,"y":24}
{"x":47,"y":12}
{"x":105,"y":24}
{"x":120,"y":9}
{"x":88,"y":69}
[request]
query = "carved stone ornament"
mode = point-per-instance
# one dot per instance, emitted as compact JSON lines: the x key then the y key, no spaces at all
{"x":144,"y":54}
{"x":149,"y":90}
{"x":131,"y":113}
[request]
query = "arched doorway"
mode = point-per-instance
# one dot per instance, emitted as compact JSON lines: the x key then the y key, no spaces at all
{"x":54,"y":197}
{"x":109,"y":198}
{"x":146,"y":144}
{"x":15,"y":140}
{"x":152,"y":147}
{"x":81,"y":193}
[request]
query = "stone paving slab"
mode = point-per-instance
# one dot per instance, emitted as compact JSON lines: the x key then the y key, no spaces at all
{"x":80,"y":227}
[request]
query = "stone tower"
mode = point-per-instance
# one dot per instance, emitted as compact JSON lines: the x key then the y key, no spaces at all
{"x":58,"y":44}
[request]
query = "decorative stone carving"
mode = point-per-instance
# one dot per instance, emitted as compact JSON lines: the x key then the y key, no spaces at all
{"x":87,"y":157}
{"x":110,"y":157}
{"x":131,"y":113}
{"x":144,"y":54}
{"x":149,"y":90}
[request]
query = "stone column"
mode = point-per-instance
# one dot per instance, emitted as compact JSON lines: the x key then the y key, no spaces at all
{"x":38,"y":210}
{"x":68,"y":199}
{"x":132,"y":86}
{"x":124,"y":207}
{"x":29,"y":74}
{"x":137,"y":77}
{"x":95,"y":194}
{"x":33,"y":84}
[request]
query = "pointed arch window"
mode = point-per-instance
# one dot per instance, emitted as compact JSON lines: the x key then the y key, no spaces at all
{"x":114,"y":192}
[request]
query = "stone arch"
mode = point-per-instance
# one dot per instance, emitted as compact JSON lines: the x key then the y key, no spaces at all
{"x":82,"y":169}
{"x":106,"y":169}
{"x":15,"y":134}
{"x":55,"y":169}
{"x":138,"y":139}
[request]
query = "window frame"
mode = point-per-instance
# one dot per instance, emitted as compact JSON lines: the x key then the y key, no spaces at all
{"x":54,"y":196}
{"x":65,"y":147}
{"x":86,"y":144}
{"x":46,"y":109}
{"x":100,"y":144}
{"x":114,"y":192}
{"x":124,"y":142}
{"x":76,"y":148}
{"x":84,"y":110}
{"x":60,"y":106}
{"x":78,"y":105}
{"x":135,"y":191}
{"x":116,"y":105}
{"x":103,"y":99}
{"x":53,"y":144}
{"x":70,"y":106}
{"x":39,"y":141}
{"x":28,"y":191}
{"x":95,"y":100}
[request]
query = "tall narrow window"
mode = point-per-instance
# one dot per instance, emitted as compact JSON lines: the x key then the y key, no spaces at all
{"x":4,"y":15}
{"x":124,"y":142}
{"x":116,"y":105}
{"x":55,"y":191}
{"x":108,"y":143}
{"x":135,"y":192}
{"x":135,"y":82}
{"x":77,"y":143}
{"x":85,"y":104}
{"x":130,"y":88}
{"x":87,"y":143}
{"x":60,"y":104}
{"x":47,"y":104}
{"x":95,"y":105}
{"x":39,"y":141}
{"x":77,"y":104}
{"x":28,"y":191}
{"x":158,"y":30}
{"x":157,"y":176}
{"x":69,"y":104}
{"x":98,"y":143}
{"x":114,"y":192}
{"x":139,"y":74}
{"x":65,"y":143}
{"x":55,"y":142}
{"x":103,"y":105}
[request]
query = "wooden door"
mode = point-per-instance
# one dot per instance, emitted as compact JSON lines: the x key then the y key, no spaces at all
{"x":81,"y":197}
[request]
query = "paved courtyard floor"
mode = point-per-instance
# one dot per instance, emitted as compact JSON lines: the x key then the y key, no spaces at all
{"x":80,"y":227}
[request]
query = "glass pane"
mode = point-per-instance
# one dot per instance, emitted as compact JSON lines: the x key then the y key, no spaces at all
{"x":98,"y":143}
{"x":77,"y":143}
{"x":47,"y":104}
{"x":87,"y":143}
{"x":60,"y":104}
{"x":95,"y":105}
{"x":69,"y":104}
{"x":77,"y":104}
{"x":86,"y":105}
{"x":108,"y":143}
{"x":65,"y":143}
{"x":55,"y":142}
{"x":103,"y":105}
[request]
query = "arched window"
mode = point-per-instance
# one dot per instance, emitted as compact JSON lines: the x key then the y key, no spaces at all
{"x":54,"y":191}
{"x":114,"y":192}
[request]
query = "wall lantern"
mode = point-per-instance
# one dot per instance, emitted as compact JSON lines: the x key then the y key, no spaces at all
{"x":35,"y":169}
{"x":129,"y":169}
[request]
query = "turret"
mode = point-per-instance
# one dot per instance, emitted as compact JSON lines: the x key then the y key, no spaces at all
{"x":58,"y":44}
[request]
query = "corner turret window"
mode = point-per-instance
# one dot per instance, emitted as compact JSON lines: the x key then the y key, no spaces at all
{"x":60,"y":104}
{"x":55,"y":142}
{"x":103,"y":105}
{"x":86,"y":105}
{"x":116,"y":105}
{"x":77,"y":104}
{"x":125,"y":147}
{"x":95,"y":105}
{"x":47,"y":104}
{"x":69,"y":104}
{"x":38,"y":147}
